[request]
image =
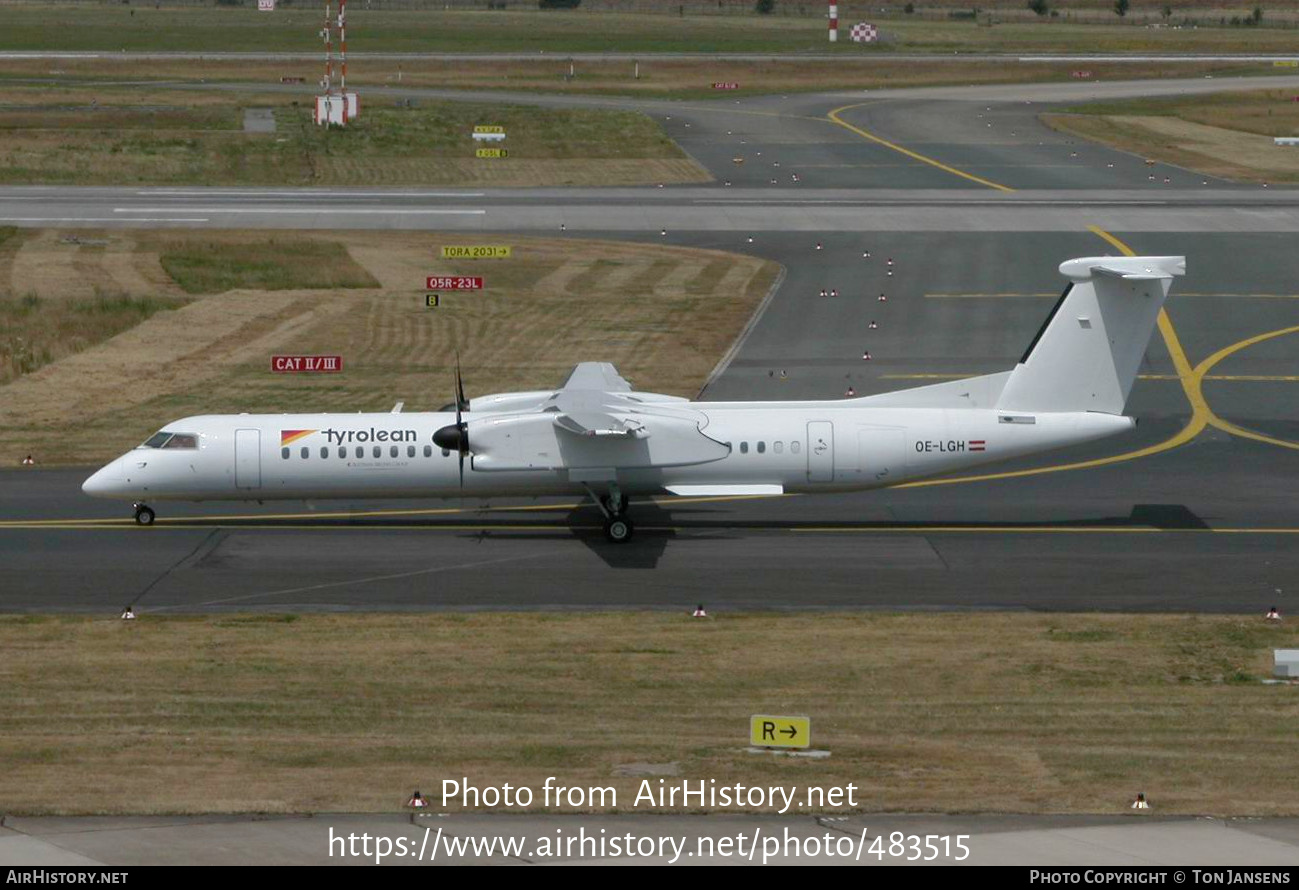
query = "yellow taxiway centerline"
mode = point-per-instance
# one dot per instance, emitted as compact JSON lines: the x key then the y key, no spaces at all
{"x":834,"y":117}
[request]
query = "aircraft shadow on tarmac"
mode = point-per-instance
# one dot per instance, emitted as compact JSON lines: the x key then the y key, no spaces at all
{"x":657,"y":526}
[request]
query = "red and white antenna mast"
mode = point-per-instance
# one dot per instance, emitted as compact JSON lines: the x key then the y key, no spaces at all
{"x":327,"y":34}
{"x":342,"y":44}
{"x":335,"y":106}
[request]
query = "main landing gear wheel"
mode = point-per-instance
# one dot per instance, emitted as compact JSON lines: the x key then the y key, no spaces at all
{"x":143,"y":514}
{"x":618,"y":529}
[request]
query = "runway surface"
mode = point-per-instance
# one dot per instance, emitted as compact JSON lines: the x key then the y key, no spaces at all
{"x":1195,"y":511}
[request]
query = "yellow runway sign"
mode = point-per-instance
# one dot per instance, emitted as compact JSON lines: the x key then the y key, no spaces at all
{"x":766,"y":731}
{"x":476,"y":252}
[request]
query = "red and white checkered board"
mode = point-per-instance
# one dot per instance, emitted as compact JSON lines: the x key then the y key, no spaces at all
{"x":864,"y":33}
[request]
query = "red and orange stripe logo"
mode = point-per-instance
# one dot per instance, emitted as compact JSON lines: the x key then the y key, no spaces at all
{"x":288,"y":437}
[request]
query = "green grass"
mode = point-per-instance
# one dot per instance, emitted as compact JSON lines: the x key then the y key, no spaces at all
{"x":988,"y":712}
{"x":117,"y":116}
{"x":426,"y":143}
{"x":294,"y":29}
{"x":275,"y":264}
{"x":443,"y":129}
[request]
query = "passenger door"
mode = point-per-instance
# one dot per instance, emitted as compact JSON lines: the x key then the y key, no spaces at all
{"x":248,"y":458}
{"x":820,"y":451}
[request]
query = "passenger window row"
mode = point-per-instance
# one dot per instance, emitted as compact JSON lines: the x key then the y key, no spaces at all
{"x":776,"y":447}
{"x":376,"y":451}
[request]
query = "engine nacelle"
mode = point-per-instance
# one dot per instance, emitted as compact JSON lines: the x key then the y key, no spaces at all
{"x":509,"y":402}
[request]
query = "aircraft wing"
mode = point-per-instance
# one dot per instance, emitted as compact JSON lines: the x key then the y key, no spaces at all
{"x":588,"y":431}
{"x":596,"y":375}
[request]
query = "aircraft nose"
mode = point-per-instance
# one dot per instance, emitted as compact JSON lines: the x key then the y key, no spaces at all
{"x":104,"y":482}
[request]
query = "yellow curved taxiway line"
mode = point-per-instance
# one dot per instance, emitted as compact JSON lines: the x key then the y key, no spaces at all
{"x":833,"y":117}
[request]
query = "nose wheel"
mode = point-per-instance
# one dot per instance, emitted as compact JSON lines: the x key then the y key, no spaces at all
{"x":618,"y":529}
{"x":143,"y":514}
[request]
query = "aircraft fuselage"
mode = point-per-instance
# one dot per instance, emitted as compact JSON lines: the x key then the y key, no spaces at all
{"x":770,"y":446}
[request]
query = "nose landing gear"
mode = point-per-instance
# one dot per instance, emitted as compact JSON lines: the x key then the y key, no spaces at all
{"x":144,"y":514}
{"x":617,"y":527}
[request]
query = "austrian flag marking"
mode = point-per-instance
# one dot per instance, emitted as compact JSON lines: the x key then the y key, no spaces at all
{"x":978,"y":445}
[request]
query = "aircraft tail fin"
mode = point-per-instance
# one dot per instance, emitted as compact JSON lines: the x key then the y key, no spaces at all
{"x":1088,"y":351}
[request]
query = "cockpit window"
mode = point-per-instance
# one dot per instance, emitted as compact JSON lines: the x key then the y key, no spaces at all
{"x":167,"y":439}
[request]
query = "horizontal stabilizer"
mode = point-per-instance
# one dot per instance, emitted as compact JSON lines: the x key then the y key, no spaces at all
{"x":1129,"y":276}
{"x":1133,"y":268}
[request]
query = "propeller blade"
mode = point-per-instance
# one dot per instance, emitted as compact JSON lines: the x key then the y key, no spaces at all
{"x":461,"y":402}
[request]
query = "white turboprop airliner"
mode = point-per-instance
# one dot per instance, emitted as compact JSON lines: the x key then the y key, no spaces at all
{"x":596,"y":435}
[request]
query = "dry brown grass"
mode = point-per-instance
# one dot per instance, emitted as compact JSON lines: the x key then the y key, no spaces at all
{"x":948,"y":712}
{"x":1228,"y":135}
{"x":665,"y":315}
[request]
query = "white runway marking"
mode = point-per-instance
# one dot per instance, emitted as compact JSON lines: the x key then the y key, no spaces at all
{"x":312,"y":209}
{"x":109,"y":219}
{"x":299,"y":193}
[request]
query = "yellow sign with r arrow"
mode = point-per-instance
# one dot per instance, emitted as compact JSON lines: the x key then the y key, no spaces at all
{"x":766,"y":731}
